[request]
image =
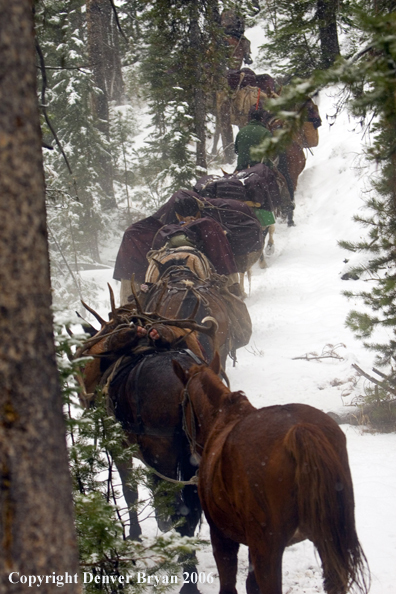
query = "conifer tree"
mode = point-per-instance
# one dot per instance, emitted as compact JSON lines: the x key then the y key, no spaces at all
{"x":302,"y":36}
{"x":182,"y":66}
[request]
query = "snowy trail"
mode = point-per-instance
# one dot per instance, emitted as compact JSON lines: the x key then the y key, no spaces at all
{"x":297,"y":307}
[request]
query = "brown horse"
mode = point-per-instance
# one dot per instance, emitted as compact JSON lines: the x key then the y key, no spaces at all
{"x":268,"y":478}
{"x":292,"y":160}
{"x":179,"y":293}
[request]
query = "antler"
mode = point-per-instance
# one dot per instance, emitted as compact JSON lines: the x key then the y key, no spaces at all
{"x":93,"y":312}
{"x":161,"y":296}
{"x":139,"y":308}
{"x":112,"y":300}
{"x":191,"y":325}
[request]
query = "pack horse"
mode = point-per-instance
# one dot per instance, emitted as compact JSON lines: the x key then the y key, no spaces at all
{"x":269,"y":478}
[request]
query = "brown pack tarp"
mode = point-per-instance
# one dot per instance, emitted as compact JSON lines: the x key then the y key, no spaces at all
{"x":243,"y":229}
{"x":208,"y":237}
{"x":136,"y":242}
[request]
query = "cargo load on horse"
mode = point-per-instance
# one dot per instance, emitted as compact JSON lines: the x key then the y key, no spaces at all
{"x":132,"y":362}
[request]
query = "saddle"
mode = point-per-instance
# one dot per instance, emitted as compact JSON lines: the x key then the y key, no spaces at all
{"x":188,"y":256}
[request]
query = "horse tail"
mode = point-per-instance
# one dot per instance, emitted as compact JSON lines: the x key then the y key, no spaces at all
{"x":326,"y":506}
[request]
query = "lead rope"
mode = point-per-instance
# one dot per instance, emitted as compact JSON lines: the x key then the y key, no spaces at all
{"x":190,"y":434}
{"x":192,"y":481}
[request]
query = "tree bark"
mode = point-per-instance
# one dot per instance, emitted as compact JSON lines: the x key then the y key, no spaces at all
{"x":36,"y":514}
{"x":97,"y":11}
{"x":199,"y":95}
{"x":326,"y":12}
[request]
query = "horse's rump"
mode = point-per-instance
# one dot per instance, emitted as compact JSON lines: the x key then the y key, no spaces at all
{"x":308,"y":136}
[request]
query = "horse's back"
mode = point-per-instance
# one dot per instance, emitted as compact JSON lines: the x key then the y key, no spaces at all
{"x":250,"y":468}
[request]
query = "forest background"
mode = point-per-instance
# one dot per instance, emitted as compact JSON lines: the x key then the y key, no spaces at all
{"x":99,"y":62}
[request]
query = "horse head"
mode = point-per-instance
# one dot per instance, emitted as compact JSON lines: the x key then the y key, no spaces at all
{"x":207,"y":401}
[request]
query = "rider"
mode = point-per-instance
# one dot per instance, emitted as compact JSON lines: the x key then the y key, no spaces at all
{"x":252,"y":135}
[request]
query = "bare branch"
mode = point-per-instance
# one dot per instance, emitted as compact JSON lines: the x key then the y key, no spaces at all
{"x":43,"y":106}
{"x":382,"y":385}
{"x":118,"y":21}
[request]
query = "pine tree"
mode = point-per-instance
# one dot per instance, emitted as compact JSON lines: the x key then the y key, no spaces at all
{"x":182,"y":65}
{"x":369,"y":82}
{"x":301,"y":36}
{"x":377,"y":68}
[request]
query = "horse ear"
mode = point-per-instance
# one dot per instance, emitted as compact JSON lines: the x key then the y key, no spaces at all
{"x":181,"y":374}
{"x":215,"y":364}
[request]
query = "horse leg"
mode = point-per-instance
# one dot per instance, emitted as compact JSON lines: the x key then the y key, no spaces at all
{"x":191,"y":510}
{"x":266,"y":564}
{"x":225,"y":552}
{"x":251,"y":582}
{"x":242,"y":285}
{"x":216,"y":136}
{"x":262,"y":262}
{"x":131,"y":497}
{"x":270,"y":245}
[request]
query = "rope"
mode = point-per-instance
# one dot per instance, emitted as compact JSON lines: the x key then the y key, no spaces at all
{"x":191,"y":435}
{"x":258,"y":99}
{"x":192,"y":481}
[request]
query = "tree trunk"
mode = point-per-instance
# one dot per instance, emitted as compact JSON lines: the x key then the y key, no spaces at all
{"x":97,"y":12}
{"x":36,"y":519}
{"x":326,"y":12}
{"x":115,"y":81}
{"x":199,"y":95}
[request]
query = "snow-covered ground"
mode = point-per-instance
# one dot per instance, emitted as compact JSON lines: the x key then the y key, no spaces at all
{"x":297,"y":307}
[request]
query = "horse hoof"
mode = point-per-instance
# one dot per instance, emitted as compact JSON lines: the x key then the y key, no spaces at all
{"x":164,"y":524}
{"x":189,"y":589}
{"x":262,"y":263}
{"x":291,"y":224}
{"x":270,"y":249}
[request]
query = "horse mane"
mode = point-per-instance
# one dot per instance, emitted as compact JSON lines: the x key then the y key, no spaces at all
{"x":218,"y":394}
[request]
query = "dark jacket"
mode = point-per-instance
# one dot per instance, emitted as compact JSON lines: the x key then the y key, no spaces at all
{"x":248,"y":136}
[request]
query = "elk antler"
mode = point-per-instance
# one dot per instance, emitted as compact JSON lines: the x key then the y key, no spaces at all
{"x":191,"y":325}
{"x":93,"y":312}
{"x":112,"y":300}
{"x":161,"y":296}
{"x":139,"y":308}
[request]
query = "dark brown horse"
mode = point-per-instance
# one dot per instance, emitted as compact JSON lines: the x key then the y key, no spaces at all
{"x":133,"y":354}
{"x":268,"y":478}
{"x":180,"y":294}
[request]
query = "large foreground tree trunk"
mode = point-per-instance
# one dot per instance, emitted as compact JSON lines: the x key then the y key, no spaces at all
{"x":36,"y":516}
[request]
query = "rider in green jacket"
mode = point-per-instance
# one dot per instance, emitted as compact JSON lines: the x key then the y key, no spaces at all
{"x":252,"y":135}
